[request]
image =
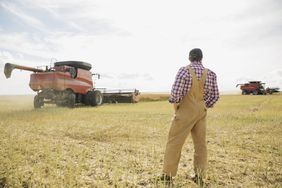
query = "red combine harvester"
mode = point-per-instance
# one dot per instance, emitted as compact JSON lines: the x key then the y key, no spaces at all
{"x":256,"y":88}
{"x":65,"y":84}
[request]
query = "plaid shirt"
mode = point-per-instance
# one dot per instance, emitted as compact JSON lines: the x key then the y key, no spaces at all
{"x":183,"y":83}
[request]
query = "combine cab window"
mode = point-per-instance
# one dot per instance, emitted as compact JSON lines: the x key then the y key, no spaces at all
{"x":73,"y":72}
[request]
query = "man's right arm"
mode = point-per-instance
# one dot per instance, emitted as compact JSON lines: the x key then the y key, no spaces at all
{"x":178,"y":87}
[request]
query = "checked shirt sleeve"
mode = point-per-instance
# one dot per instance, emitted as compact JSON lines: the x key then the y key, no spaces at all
{"x":212,"y":93}
{"x":179,"y":85}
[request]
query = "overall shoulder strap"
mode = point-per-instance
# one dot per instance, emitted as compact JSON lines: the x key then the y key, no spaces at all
{"x":204,"y":76}
{"x":192,"y":72}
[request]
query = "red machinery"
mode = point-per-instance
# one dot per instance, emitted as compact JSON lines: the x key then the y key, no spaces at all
{"x":256,"y":88}
{"x":65,"y":84}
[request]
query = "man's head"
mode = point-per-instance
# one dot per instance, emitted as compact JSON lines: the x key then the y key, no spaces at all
{"x":195,"y":55}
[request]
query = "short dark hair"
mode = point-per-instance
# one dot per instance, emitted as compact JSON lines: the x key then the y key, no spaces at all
{"x":195,"y":54}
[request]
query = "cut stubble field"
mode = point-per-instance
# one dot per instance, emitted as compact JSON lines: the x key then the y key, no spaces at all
{"x":122,"y":145}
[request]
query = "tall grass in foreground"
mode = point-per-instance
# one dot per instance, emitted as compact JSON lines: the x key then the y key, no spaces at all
{"x":122,"y":145}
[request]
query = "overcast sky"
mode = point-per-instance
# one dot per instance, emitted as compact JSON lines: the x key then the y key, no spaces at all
{"x":142,"y":44}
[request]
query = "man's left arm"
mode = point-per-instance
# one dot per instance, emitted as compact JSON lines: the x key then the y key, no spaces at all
{"x":177,"y":89}
{"x":213,"y":92}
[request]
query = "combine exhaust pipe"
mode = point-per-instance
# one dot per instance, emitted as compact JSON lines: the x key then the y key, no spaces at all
{"x":9,"y":67}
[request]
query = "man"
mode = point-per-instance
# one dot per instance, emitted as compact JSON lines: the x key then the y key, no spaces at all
{"x":194,"y":90}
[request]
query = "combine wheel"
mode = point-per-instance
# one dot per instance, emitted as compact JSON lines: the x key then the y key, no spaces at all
{"x":255,"y":92}
{"x":244,"y":92}
{"x":94,"y":98}
{"x":59,"y":104}
{"x":98,"y":98}
{"x":38,"y":102}
{"x":70,"y":99}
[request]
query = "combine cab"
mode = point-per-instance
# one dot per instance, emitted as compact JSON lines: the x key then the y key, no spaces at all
{"x":65,"y":84}
{"x":256,"y":88}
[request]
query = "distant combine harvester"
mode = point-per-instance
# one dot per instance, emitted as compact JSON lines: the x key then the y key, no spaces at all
{"x":256,"y":88}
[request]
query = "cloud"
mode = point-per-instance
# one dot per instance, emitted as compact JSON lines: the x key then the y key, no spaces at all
{"x":59,"y":16}
{"x":134,"y":76}
{"x":127,"y":76}
{"x":69,"y":18}
{"x":274,"y":78}
{"x":30,"y":44}
{"x":1,"y":66}
{"x":6,"y":56}
{"x":107,"y":76}
{"x":243,"y":80}
{"x":237,"y":24}
{"x":68,"y":33}
{"x":25,"y":17}
{"x":258,"y":23}
{"x":76,"y":17}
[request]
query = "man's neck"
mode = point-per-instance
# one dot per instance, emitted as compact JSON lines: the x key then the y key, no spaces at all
{"x":196,"y":62}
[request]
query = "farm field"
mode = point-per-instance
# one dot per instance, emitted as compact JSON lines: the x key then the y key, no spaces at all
{"x":122,"y":145}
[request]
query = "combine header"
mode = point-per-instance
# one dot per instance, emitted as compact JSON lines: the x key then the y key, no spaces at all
{"x":120,"y":96}
{"x":256,"y":88}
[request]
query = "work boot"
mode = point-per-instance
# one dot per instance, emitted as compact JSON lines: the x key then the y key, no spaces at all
{"x":198,"y":180}
{"x":165,"y":179}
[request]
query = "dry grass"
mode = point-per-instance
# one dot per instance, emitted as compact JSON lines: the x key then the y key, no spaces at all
{"x":146,"y":97}
{"x":122,"y":145}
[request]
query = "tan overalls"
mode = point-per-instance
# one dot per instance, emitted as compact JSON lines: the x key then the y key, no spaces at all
{"x":190,"y":116}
